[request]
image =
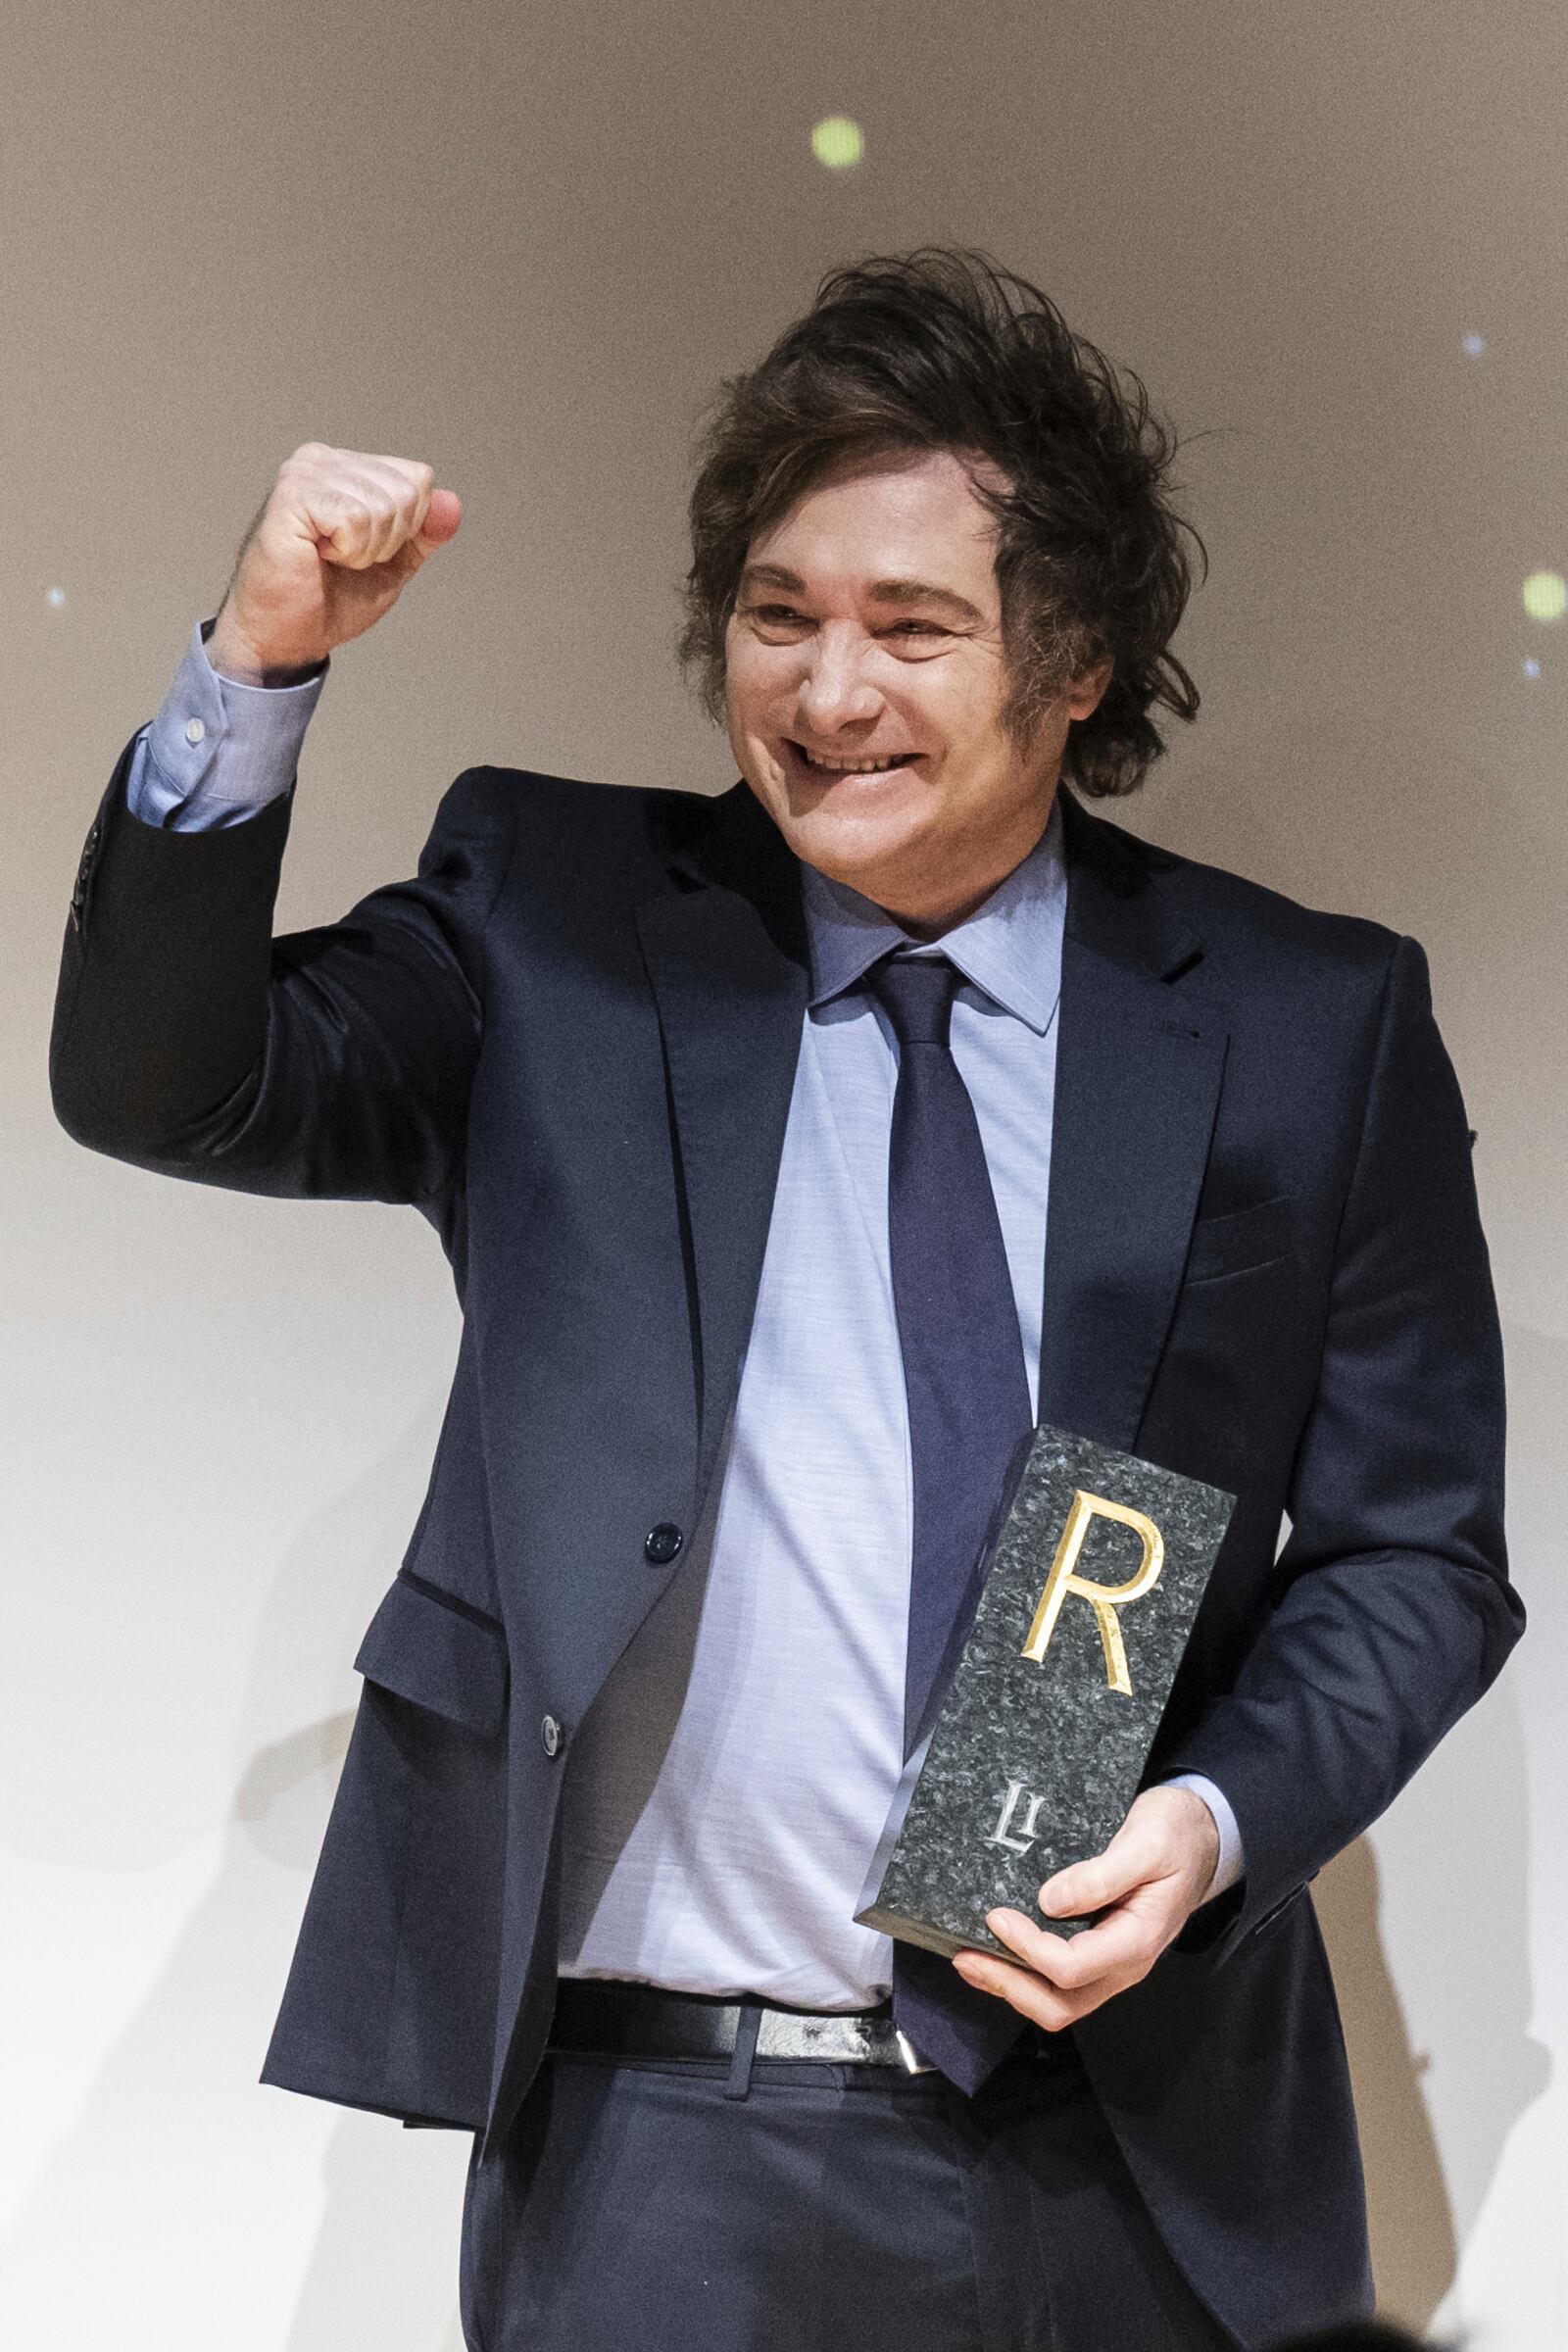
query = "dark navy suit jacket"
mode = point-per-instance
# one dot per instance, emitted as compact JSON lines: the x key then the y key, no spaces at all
{"x":570,"y":1043}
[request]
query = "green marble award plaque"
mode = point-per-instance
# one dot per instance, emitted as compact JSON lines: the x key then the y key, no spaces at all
{"x":1039,"y":1737}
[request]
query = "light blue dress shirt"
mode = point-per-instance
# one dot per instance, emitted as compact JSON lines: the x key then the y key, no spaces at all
{"x":728,"y":1786}
{"x":218,"y":750}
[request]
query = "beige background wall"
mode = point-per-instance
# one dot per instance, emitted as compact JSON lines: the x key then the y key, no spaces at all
{"x":522,"y":242}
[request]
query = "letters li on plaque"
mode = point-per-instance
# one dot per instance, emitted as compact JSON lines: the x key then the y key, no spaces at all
{"x":1092,"y":1578}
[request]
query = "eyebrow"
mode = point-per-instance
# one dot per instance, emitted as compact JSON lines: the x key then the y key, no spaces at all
{"x":881,"y":592}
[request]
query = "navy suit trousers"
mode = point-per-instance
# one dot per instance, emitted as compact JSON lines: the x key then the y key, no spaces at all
{"x":635,"y":2204}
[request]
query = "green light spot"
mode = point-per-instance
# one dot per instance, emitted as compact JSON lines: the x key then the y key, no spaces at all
{"x":1545,"y":595}
{"x":837,"y":142}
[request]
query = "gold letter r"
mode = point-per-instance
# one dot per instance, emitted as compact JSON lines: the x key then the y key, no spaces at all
{"x":1104,"y":1599}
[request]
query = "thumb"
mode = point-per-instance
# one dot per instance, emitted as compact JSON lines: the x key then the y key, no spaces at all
{"x":442,"y":518}
{"x":1089,"y":1885}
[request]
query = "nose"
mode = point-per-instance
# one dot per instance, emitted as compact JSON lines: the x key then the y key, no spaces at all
{"x":835,"y":690}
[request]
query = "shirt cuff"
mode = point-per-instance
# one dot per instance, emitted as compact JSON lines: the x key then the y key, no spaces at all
{"x":1229,"y":1867}
{"x":218,"y":750}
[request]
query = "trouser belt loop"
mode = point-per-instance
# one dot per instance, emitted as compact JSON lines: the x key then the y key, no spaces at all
{"x":747,"y":2028}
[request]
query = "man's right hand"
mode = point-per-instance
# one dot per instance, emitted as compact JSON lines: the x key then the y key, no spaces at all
{"x":337,"y":538}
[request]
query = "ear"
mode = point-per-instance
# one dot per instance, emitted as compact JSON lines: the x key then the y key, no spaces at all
{"x":1083,"y":695}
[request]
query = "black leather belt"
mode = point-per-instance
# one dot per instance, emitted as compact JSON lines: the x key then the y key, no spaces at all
{"x":643,"y":2021}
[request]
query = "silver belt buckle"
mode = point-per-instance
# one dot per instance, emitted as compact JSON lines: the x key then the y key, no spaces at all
{"x":913,"y":2064}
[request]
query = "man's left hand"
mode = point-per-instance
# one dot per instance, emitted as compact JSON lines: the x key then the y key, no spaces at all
{"x":1148,"y":1881}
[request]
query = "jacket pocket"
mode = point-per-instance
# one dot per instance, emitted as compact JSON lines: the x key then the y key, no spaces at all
{"x":438,"y":1653}
{"x":1239,"y":1241}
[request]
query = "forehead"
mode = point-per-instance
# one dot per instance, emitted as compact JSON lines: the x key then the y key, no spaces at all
{"x":909,"y":516}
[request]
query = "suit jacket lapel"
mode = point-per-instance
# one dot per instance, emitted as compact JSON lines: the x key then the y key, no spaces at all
{"x":727,"y":957}
{"x":1139,"y":1063}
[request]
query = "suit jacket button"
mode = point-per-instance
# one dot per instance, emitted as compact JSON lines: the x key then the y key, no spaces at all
{"x":663,"y":1542}
{"x":550,"y":1733}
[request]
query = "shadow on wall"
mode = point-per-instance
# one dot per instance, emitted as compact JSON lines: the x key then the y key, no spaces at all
{"x":393,"y":2210}
{"x":181,"y":2182}
{"x":1442,"y":1909}
{"x":1414,"y":2244}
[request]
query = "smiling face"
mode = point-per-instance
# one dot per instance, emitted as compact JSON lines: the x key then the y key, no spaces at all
{"x":865,"y":682}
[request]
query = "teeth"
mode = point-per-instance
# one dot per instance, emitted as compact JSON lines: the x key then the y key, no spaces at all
{"x":848,"y":767}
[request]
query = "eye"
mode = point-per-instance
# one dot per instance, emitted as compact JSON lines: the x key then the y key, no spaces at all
{"x":786,"y":617}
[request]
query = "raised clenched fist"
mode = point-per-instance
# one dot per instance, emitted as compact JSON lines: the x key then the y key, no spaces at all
{"x":331,"y":551}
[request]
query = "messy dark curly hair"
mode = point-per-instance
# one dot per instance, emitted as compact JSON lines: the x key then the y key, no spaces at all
{"x":942,"y":349}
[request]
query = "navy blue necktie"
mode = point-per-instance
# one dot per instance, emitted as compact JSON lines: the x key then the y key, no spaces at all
{"x":968,"y":1395}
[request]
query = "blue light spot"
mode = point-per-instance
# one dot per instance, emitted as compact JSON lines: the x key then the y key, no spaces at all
{"x":57,"y":597}
{"x":1474,"y":346}
{"x":1531,"y":667}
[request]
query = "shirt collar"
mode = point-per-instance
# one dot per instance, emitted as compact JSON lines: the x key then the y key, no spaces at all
{"x":1010,"y":947}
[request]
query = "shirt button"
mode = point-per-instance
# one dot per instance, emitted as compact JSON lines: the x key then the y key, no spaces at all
{"x":550,"y":1733}
{"x":194,"y":730}
{"x":663,"y":1542}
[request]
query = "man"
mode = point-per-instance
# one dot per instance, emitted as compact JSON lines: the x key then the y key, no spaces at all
{"x":740,"y":1119}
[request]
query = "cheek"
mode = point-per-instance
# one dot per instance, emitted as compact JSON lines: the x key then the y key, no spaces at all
{"x":754,"y":687}
{"x":974,"y":753}
{"x":962,"y":708}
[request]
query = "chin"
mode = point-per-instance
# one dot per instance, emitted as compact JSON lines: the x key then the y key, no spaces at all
{"x":879,"y":868}
{"x":861,"y":833}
